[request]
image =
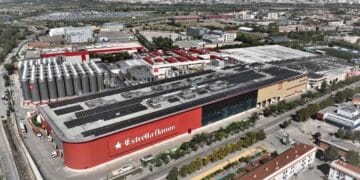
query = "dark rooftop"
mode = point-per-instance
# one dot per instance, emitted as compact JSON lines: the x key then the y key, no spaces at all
{"x":88,"y":117}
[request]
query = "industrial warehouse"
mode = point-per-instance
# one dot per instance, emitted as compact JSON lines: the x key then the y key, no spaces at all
{"x":97,"y":128}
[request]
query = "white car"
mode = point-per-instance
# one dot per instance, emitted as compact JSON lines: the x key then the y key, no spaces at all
{"x":147,"y":158}
{"x":54,"y":154}
{"x":122,"y":170}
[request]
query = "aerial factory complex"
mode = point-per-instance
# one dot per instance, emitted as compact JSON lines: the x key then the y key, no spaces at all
{"x":179,"y":89}
{"x":95,"y":128}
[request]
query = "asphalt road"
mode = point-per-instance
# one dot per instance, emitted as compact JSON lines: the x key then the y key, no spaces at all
{"x":270,"y":125}
{"x":6,"y":157}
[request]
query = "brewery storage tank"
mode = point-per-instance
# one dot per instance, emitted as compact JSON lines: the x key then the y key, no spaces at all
{"x":51,"y":84}
{"x":25,"y":86}
{"x":59,"y":83}
{"x":44,"y":93}
{"x":68,"y":82}
{"x":84,"y":80}
{"x":34,"y":87}
{"x":92,"y":78}
{"x":76,"y":80}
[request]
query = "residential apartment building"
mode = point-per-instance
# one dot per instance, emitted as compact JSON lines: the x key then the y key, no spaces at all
{"x":341,"y":170}
{"x":293,"y":161}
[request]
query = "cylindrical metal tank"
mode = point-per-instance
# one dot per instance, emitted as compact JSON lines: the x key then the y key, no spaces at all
{"x":34,"y":87}
{"x":92,"y":78}
{"x":44,"y":93}
{"x":68,"y":81}
{"x":59,"y":83}
{"x":107,"y":80}
{"x":51,"y":84}
{"x":76,"y":80}
{"x":99,"y":76}
{"x":84,"y":80}
{"x":25,"y":86}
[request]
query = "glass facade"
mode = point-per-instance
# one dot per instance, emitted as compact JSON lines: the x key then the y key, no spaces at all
{"x":225,"y":108}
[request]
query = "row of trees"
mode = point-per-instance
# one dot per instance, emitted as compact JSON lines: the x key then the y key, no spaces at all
{"x":112,"y":57}
{"x":284,"y":106}
{"x":249,"y":39}
{"x":339,"y":97}
{"x":217,"y":155}
{"x":331,"y":154}
{"x":142,"y":39}
{"x":348,"y":134}
{"x":312,"y":109}
{"x":234,"y":166}
{"x":163,"y":43}
{"x":203,"y":139}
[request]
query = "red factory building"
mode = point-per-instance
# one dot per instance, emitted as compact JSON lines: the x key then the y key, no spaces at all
{"x":94,"y":129}
{"x":84,"y":53}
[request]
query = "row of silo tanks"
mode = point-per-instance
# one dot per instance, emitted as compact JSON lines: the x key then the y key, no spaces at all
{"x":49,"y":80}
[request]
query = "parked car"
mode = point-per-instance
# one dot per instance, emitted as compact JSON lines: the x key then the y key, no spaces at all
{"x":147,"y":158}
{"x":122,"y":170}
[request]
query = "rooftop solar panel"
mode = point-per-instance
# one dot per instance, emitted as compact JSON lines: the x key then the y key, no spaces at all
{"x":68,"y":110}
{"x":106,"y":115}
{"x":173,"y":99}
{"x":150,"y":116}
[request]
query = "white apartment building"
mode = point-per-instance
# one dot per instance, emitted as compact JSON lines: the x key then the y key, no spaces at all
{"x":293,"y":161}
{"x":341,"y":170}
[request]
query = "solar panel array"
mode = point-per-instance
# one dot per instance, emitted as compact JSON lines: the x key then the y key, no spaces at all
{"x":106,"y":115}
{"x":68,"y":110}
{"x":280,"y":73}
{"x":154,"y":115}
{"x":173,"y":99}
{"x":118,"y":109}
{"x":101,"y":112}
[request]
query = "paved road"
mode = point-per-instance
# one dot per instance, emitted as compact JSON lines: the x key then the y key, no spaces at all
{"x":270,"y":125}
{"x":7,"y":161}
{"x":6,"y":157}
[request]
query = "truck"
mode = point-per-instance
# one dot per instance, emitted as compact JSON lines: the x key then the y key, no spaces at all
{"x":23,"y":127}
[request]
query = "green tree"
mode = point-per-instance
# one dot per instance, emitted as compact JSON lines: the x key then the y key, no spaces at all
{"x":317,"y":137}
{"x":340,"y":133}
{"x":323,"y":87}
{"x":163,"y":43}
{"x":249,"y":39}
{"x":183,"y":171}
{"x":9,"y":67}
{"x":339,"y":97}
{"x":254,"y":117}
{"x":173,"y":174}
{"x":353,"y":158}
{"x":331,"y":153}
{"x":260,"y":135}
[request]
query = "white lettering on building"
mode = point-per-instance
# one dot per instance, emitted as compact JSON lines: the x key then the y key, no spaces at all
{"x":144,"y":137}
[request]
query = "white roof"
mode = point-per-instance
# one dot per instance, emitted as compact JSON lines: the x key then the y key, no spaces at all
{"x":266,"y":53}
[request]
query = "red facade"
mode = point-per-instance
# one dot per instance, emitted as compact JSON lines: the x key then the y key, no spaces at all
{"x":88,"y":154}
